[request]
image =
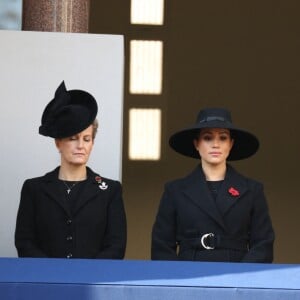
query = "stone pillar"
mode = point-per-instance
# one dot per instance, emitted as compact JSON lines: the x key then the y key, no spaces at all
{"x":56,"y":15}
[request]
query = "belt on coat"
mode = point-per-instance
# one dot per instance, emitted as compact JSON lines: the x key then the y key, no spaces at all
{"x":210,"y":241}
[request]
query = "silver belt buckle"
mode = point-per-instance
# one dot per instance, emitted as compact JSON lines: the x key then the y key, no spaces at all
{"x":203,"y":238}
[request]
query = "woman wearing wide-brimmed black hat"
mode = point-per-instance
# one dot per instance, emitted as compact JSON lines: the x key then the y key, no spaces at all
{"x":72,"y":211}
{"x":214,"y":213}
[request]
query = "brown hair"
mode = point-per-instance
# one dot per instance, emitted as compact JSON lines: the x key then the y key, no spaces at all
{"x":95,"y":128}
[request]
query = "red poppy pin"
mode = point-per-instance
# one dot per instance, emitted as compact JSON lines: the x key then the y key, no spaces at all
{"x":233,"y":192}
{"x":98,"y":179}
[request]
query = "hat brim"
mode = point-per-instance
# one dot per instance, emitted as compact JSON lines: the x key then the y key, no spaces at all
{"x":245,"y":143}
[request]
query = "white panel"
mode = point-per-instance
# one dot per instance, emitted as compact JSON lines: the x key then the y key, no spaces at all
{"x":33,"y":64}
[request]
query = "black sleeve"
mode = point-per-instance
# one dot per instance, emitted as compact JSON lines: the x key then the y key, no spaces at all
{"x":164,"y":230}
{"x":261,"y":230}
{"x":25,"y":233}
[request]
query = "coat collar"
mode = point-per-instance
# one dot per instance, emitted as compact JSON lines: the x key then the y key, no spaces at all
{"x":91,"y":189}
{"x":197,"y":190}
{"x":53,"y":175}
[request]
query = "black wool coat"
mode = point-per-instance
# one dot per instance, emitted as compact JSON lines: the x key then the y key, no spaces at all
{"x":188,"y":210}
{"x":95,"y":228}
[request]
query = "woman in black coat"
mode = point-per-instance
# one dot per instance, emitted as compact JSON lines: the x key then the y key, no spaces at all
{"x":71,"y":212}
{"x":214,"y":213}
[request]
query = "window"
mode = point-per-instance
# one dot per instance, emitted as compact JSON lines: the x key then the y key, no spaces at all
{"x":147,"y":12}
{"x":144,"y":134}
{"x":145,"y":67}
{"x":145,"y":78}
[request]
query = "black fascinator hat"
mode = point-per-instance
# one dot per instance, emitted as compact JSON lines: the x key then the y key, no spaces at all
{"x":69,"y":113}
{"x":245,"y":143}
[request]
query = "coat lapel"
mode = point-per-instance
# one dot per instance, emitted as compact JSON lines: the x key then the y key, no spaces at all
{"x":90,"y":191}
{"x":197,"y":190}
{"x":231,"y":191}
{"x":53,"y":191}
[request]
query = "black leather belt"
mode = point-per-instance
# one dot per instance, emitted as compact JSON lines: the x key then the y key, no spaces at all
{"x":210,"y":241}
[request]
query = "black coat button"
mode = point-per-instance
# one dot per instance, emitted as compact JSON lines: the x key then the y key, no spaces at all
{"x":69,"y":255}
{"x":69,"y":222}
{"x":69,"y":238}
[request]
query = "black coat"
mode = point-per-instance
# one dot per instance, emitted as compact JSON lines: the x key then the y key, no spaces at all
{"x":187,"y":211}
{"x":46,"y":227}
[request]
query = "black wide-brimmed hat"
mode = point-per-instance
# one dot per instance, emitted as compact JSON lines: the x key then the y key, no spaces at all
{"x":69,"y":113}
{"x":245,"y":143}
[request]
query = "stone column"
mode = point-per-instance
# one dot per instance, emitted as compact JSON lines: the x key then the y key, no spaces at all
{"x":56,"y":15}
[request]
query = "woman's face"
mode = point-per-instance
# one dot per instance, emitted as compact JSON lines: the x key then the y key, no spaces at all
{"x":214,"y":145}
{"x":76,"y":149}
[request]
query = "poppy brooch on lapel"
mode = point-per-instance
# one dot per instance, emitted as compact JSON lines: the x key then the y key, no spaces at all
{"x":233,"y":192}
{"x":102,"y":184}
